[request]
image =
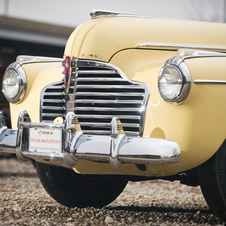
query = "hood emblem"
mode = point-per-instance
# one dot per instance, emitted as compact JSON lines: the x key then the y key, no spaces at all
{"x":91,"y":55}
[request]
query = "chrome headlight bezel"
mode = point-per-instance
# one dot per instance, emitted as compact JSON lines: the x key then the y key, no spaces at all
{"x":21,"y":76}
{"x":185,"y":78}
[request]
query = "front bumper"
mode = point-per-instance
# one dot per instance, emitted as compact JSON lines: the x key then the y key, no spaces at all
{"x":115,"y":149}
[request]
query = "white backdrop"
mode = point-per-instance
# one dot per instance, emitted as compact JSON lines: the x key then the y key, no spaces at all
{"x":73,"y":12}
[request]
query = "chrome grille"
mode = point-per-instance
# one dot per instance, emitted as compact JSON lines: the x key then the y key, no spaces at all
{"x":53,"y":102}
{"x":98,"y":92}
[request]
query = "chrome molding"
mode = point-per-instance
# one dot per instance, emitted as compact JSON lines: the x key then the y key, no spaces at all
{"x":206,"y":81}
{"x":180,"y":46}
{"x":102,"y":13}
{"x":194,"y":53}
{"x":25,"y":59}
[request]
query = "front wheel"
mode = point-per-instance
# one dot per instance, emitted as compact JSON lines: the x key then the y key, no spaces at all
{"x":212,"y":177}
{"x":75,"y":190}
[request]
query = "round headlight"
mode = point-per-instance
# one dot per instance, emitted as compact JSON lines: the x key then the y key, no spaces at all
{"x":11,"y":84}
{"x":14,"y":83}
{"x":170,"y":82}
{"x":174,"y":80}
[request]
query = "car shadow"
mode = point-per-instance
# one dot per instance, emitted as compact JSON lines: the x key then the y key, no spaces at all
{"x":181,"y":215}
{"x":28,"y":175}
{"x":158,"y":209}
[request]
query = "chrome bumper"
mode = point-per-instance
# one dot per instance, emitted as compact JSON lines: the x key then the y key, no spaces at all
{"x":116,"y":149}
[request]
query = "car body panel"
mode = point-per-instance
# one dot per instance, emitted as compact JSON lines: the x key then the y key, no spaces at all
{"x":106,"y":36}
{"x":201,"y":113}
{"x":193,"y":124}
{"x":39,"y":75}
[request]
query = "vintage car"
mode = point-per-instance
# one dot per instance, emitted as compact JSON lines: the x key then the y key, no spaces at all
{"x":139,"y":98}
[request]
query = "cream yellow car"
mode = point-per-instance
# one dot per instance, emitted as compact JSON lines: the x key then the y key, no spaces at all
{"x":133,"y":98}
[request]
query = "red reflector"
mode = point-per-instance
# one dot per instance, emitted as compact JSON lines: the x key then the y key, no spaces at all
{"x":67,"y":70}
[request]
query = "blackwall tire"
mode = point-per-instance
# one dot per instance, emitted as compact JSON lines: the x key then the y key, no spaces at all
{"x":212,"y":178}
{"x":74,"y":190}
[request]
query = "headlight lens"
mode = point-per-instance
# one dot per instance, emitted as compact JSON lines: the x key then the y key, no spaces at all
{"x":170,"y":82}
{"x":14,"y":83}
{"x":174,"y":80}
{"x":11,"y":84}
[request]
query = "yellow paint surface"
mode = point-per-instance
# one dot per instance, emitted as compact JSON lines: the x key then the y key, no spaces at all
{"x":196,"y":124}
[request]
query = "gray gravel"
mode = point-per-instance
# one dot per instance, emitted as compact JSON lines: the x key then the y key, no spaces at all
{"x":23,"y":201}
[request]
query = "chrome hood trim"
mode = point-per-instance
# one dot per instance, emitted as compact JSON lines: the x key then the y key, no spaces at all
{"x":181,"y":46}
{"x":25,"y":59}
{"x":95,"y":13}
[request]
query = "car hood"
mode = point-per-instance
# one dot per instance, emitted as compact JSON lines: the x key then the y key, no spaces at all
{"x":101,"y":38}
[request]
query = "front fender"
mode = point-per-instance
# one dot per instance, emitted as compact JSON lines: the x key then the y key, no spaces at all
{"x":197,"y":123}
{"x":38,"y":75}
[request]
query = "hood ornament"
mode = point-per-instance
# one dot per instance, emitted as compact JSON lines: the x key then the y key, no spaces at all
{"x":102,"y":13}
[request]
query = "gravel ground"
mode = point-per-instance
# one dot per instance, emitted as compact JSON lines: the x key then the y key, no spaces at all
{"x":23,"y":201}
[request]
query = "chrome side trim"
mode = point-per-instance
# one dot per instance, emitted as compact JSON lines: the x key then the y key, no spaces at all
{"x":25,"y":59}
{"x":102,"y":13}
{"x":205,"y":81}
{"x":180,"y":46}
{"x":194,"y":53}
